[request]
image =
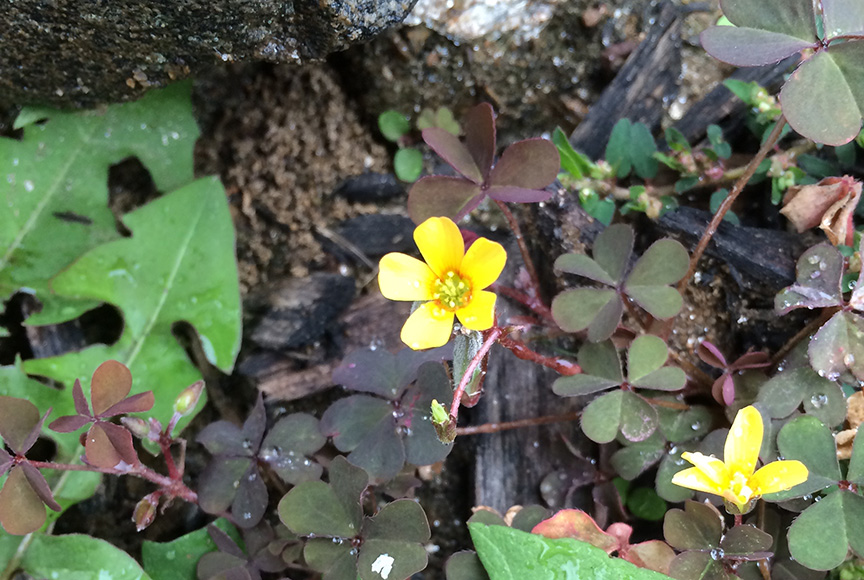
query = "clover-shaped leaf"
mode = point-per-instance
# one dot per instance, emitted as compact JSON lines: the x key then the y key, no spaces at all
{"x":824,"y":98}
{"x":836,"y":351}
{"x":632,"y":460}
{"x":786,"y":391}
{"x":380,"y":434}
{"x":810,"y":442}
{"x":723,"y":389}
{"x":521,"y":174}
{"x":600,"y":309}
{"x":601,"y":368}
{"x":820,"y":538}
{"x":619,"y":410}
{"x":106,"y":444}
{"x":342,"y":543}
{"x":818,"y":276}
{"x":697,"y":527}
{"x":25,"y":489}
{"x":233,"y":479}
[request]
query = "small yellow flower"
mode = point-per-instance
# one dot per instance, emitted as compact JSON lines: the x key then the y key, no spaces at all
{"x":734,"y":479}
{"x":450,"y":283}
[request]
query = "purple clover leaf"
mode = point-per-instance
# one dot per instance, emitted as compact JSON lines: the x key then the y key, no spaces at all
{"x":233,"y":478}
{"x":723,"y":389}
{"x":522,"y":173}
{"x":106,"y":444}
{"x":391,"y":425}
{"x":25,"y":490}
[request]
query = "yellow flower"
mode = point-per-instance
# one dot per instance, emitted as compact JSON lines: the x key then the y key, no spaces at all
{"x":734,"y":479}
{"x":450,"y":283}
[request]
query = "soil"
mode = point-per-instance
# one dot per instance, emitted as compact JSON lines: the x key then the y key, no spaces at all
{"x":284,"y":138}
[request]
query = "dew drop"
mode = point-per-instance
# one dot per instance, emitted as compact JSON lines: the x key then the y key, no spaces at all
{"x":819,"y":400}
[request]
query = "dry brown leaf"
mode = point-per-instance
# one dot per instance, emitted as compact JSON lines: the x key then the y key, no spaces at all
{"x":828,"y":204}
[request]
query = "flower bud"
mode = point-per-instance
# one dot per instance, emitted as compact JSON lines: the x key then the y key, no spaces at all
{"x":188,"y":399}
{"x":145,"y":511}
{"x":137,"y":426}
{"x":444,"y":424}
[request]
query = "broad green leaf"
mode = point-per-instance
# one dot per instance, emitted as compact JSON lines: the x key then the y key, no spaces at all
{"x":664,"y":262}
{"x":408,"y":164}
{"x":314,"y":508}
{"x":749,"y":46}
{"x":573,"y":162}
{"x":336,"y":559}
{"x":809,"y":441}
{"x":817,"y":281}
{"x":79,"y":557}
{"x":465,"y":566}
{"x":177,"y":559}
{"x":612,"y":250}
{"x":819,"y":102}
{"x":509,"y":554}
{"x":383,"y":558}
{"x":843,"y":17}
{"x":822,"y":398}
{"x":629,"y":462}
{"x":679,"y":426}
{"x":855,"y":474}
{"x":179,"y":265}
{"x":822,"y":535}
{"x":402,"y":520}
{"x":582,"y":265}
{"x":618,"y":148}
{"x":598,"y":310}
{"x":642,"y":150}
{"x":619,"y":409}
{"x":836,"y":351}
{"x":696,"y":527}
{"x":647,"y":354}
{"x":744,"y":540}
{"x":601,"y":369}
{"x":669,"y":466}
{"x":792,"y":17}
{"x":393,"y":125}
{"x":55,"y":180}
{"x":645,"y":504}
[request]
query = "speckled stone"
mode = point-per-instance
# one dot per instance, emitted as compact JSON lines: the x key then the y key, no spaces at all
{"x":82,"y":53}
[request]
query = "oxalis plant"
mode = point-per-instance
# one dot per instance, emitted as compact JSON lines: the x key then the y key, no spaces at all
{"x":754,"y":472}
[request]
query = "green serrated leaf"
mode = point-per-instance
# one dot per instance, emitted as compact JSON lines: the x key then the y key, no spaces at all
{"x":79,"y":557}
{"x":509,"y":554}
{"x":179,"y":265}
{"x":55,"y":183}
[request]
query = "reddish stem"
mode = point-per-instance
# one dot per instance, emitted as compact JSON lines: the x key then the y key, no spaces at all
{"x":532,"y":302}
{"x":171,"y":487}
{"x":751,"y":168}
{"x":521,"y":350}
{"x":523,"y":247}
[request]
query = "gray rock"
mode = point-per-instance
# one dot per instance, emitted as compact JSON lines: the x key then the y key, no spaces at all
{"x":301,"y":310}
{"x":72,"y":53}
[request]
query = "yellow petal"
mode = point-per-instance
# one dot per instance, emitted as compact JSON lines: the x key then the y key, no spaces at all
{"x":441,"y":245}
{"x":428,"y":327}
{"x":479,"y":314}
{"x":778,"y":476}
{"x":743,"y":442}
{"x":402,"y":277}
{"x":483,"y":263}
{"x":714,"y":469}
{"x":695,"y":478}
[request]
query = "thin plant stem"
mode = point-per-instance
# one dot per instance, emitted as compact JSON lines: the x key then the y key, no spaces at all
{"x":531,"y":302}
{"x":523,"y":247}
{"x":521,"y":350}
{"x":667,"y":404}
{"x":724,"y":209}
{"x":507,"y":425}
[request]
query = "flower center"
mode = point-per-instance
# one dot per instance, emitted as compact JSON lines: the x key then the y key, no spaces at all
{"x":743,"y":493}
{"x":452,"y":292}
